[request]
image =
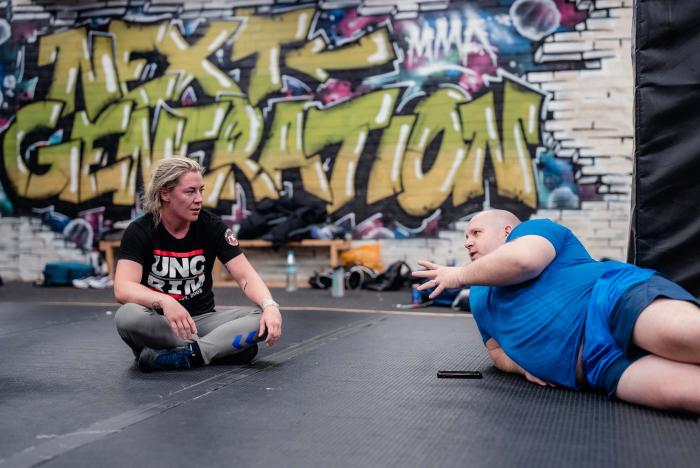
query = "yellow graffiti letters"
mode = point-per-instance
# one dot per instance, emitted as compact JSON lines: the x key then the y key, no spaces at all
{"x":72,"y":57}
{"x":264,"y":36}
{"x":482,"y":131}
{"x":133,"y":147}
{"x":371,"y":50}
{"x":191,"y":62}
{"x":385,"y":176}
{"x":112,"y":121}
{"x":438,"y":123}
{"x":521,"y":133}
{"x":348,"y":123}
{"x":17,"y":141}
{"x":133,"y":39}
{"x":240,"y":136}
{"x":125,"y":95}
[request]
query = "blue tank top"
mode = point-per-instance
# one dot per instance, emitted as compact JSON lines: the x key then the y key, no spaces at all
{"x":539,"y":323}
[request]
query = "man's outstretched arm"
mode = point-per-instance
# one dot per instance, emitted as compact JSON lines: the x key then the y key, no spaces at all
{"x":512,"y":263}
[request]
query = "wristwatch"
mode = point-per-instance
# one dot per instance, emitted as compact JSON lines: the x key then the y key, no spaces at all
{"x":268,"y":302}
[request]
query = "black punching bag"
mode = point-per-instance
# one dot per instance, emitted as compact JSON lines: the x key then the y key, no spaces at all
{"x":665,"y":231}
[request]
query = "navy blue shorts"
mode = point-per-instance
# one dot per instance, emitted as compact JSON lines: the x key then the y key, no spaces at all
{"x":624,"y":316}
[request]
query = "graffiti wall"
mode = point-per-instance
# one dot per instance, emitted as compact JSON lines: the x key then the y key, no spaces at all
{"x":422,"y":111}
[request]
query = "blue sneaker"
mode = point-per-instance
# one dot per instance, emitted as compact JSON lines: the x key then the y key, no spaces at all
{"x":178,"y":358}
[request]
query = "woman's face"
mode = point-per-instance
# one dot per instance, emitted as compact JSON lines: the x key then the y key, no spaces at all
{"x":184,"y":201}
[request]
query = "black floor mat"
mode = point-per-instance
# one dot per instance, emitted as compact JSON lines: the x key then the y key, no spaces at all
{"x":341,"y":389}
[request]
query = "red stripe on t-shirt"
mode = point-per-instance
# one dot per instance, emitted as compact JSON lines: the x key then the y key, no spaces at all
{"x":165,"y":253}
{"x":177,"y":297}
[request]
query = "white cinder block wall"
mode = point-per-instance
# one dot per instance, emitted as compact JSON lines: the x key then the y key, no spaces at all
{"x":26,"y":246}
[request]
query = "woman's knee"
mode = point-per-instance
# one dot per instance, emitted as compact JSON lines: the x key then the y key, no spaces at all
{"x":234,"y":313}
{"x":130,"y":316}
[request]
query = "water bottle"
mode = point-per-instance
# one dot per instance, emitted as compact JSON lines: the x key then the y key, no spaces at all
{"x":338,"y":282}
{"x":451,"y":259}
{"x":290,"y":271}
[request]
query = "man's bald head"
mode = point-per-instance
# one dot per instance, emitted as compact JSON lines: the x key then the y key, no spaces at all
{"x":488,"y":230}
{"x":498,"y":217}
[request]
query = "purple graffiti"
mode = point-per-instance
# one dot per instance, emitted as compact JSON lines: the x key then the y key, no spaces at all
{"x":335,"y":90}
{"x":535,"y":19}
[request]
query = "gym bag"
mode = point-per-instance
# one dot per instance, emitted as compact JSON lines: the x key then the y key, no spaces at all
{"x":63,"y":273}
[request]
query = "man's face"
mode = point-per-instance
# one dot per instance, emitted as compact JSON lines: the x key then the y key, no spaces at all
{"x":184,"y":201}
{"x":484,"y":235}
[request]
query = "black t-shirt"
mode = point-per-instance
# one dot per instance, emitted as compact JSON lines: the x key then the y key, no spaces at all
{"x":180,"y":268}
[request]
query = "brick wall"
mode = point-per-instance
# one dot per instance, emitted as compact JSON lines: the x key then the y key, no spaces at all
{"x":27,"y":245}
{"x":585,"y":74}
{"x":593,"y":119}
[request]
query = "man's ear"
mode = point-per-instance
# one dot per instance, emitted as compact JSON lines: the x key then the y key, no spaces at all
{"x":508,"y":229}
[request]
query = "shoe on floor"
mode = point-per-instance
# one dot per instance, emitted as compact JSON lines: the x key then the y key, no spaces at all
{"x":100,"y":282}
{"x":169,"y":359}
{"x":239,"y":359}
{"x":82,"y":283}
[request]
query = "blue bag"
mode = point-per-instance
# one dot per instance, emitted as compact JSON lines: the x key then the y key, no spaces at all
{"x":63,"y":273}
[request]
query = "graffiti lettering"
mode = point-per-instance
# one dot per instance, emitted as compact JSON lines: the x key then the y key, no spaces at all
{"x":434,"y":42}
{"x":191,"y":62}
{"x":467,"y":130}
{"x":261,"y":99}
{"x":264,"y":36}
{"x":70,"y":54}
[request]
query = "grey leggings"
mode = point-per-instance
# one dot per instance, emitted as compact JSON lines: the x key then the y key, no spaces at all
{"x":219,"y":334}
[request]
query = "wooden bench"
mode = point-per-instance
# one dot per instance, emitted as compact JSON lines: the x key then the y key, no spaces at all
{"x":220,"y":274}
{"x":334,"y":246}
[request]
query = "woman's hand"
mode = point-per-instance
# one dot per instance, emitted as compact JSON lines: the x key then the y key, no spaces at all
{"x":179,"y":319}
{"x":271,"y":321}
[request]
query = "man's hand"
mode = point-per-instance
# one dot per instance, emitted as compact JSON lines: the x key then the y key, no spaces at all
{"x":537,"y":380}
{"x":271,"y":321}
{"x":180,"y":321}
{"x":441,"y":277}
{"x":503,"y":362}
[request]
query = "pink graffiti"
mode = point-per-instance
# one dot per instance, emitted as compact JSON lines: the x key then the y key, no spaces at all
{"x":353,"y":22}
{"x":416,"y":63}
{"x":432,"y":228}
{"x":479,"y":65}
{"x":24,"y":32}
{"x":95,"y":217}
{"x":189,"y":98}
{"x":570,"y":16}
{"x":335,"y":90}
{"x":372,"y":228}
{"x":26,"y":95}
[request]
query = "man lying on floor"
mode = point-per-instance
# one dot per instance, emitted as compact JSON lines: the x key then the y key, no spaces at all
{"x":547,"y":310}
